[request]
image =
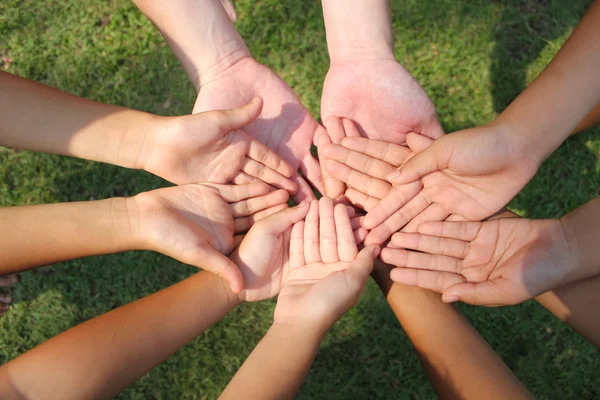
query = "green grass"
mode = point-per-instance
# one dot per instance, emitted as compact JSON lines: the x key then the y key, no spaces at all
{"x":472,"y":56}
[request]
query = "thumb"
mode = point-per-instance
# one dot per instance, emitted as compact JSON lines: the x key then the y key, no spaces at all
{"x":429,"y":160}
{"x":489,"y":293}
{"x":211,"y":260}
{"x":417,"y":142}
{"x":363,"y":264}
{"x":235,"y":118}
{"x":281,"y":221}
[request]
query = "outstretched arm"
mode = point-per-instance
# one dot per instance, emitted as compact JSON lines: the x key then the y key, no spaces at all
{"x":452,"y":359}
{"x":101,"y":357}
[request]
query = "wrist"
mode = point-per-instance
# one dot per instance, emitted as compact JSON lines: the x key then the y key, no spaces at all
{"x":299,"y":329}
{"x":358,"y":30}
{"x":137,"y":141}
{"x":124,"y":222}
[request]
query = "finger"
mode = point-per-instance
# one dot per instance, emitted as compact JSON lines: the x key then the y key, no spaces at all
{"x":297,"y":245}
{"x":430,"y":244}
{"x":397,"y":220}
{"x":252,"y":206}
{"x":362,"y":266}
{"x":235,"y":118}
{"x":358,"y":161}
{"x":305,"y":192}
{"x":430,"y":280}
{"x":349,"y":209}
{"x":334,"y":188}
{"x":390,"y":153}
{"x":362,"y":182}
{"x":412,"y":259}
{"x":466,"y":231}
{"x":435,"y":212}
{"x":433,"y":129}
{"x":312,"y":253}
{"x":396,"y":199}
{"x":311,"y":169}
{"x":243,"y":178}
{"x":229,"y":7}
{"x":243,"y":224}
{"x":497,"y":292}
{"x":360,"y":235}
{"x":211,"y":260}
{"x":283,"y":220}
{"x":8,"y":280}
{"x":237,"y":240}
{"x":456,"y":218}
{"x":327,"y":231}
{"x":434,"y":158}
{"x":264,"y":155}
{"x":267,"y":175}
{"x":234,"y":193}
{"x":346,"y":244}
{"x":417,"y":142}
{"x":361,"y":200}
{"x":350,"y":128}
{"x":356,"y":222}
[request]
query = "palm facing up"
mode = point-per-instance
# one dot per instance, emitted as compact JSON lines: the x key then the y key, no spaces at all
{"x":497,"y":262}
{"x":284,"y":125}
{"x":209,"y":147}
{"x":195,"y":224}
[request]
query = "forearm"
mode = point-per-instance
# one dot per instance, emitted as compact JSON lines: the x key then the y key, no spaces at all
{"x":39,"y":118}
{"x":279,"y":363}
{"x":32,"y":236}
{"x":360,"y":28}
{"x":200,"y":33}
{"x":591,"y":120}
{"x":450,"y":349}
{"x":544,"y":115}
{"x":102,"y":356}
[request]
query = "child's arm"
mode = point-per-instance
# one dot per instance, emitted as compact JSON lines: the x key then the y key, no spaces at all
{"x":450,"y":349}
{"x":104,"y":355}
{"x":205,"y":147}
{"x":192,"y":223}
{"x":323,"y":278}
{"x":591,"y":120}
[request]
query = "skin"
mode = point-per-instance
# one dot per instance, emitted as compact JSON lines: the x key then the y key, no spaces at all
{"x":102,"y":356}
{"x":194,"y":224}
{"x":323,"y":277}
{"x":475,"y":172}
{"x":225,"y":75}
{"x":207,"y":147}
{"x":365,"y":84}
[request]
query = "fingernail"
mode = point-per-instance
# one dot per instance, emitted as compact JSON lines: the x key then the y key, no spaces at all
{"x":376,"y":251}
{"x":450,"y":299}
{"x":393,"y":176}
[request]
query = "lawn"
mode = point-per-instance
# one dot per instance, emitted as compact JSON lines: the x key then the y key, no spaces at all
{"x":472,"y":56}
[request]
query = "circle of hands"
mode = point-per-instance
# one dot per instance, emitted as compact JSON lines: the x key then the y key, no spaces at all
{"x":391,"y":178}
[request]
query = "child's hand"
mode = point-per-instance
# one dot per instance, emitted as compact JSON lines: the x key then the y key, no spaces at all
{"x":209,"y":147}
{"x":324,"y":277}
{"x":492,"y":263}
{"x":195,"y":223}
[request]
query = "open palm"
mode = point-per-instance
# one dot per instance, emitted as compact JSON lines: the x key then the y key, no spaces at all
{"x":285,"y":126}
{"x":497,"y":262}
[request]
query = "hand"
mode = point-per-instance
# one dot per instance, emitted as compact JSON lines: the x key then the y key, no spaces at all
{"x":498,"y":262}
{"x":209,"y":147}
{"x":324,"y":277}
{"x":284,"y":125}
{"x":469,"y":174}
{"x":195,"y":223}
{"x":381,"y":97}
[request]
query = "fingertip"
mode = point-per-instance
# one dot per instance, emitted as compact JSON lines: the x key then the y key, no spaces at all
{"x":450,"y":298}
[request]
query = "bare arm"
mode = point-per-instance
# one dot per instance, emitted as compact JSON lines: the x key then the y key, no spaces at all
{"x":101,"y":357}
{"x":39,"y":118}
{"x":453,"y":358}
{"x":200,"y":33}
{"x":33,"y":236}
{"x":591,"y":120}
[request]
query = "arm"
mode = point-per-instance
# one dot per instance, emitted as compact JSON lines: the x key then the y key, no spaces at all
{"x":39,"y":118}
{"x":200,"y":33}
{"x":374,"y":38}
{"x":591,"y":120}
{"x":102,"y":356}
{"x":44,"y":234}
{"x":452,"y":359}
